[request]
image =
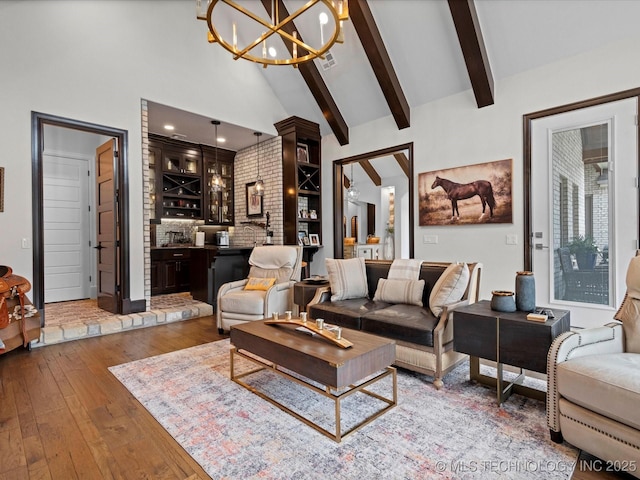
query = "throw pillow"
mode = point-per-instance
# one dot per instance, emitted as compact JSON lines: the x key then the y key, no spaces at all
{"x":449,"y":288}
{"x":348,"y":278}
{"x":259,"y":283}
{"x":408,"y":292}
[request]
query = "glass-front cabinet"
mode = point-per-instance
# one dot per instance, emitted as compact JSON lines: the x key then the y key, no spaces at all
{"x":182,"y":161}
{"x":219,"y":202}
{"x":180,"y":176}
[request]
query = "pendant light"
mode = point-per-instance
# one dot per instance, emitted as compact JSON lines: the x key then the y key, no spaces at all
{"x":352,"y":192}
{"x":216,"y":179}
{"x":259,"y":186}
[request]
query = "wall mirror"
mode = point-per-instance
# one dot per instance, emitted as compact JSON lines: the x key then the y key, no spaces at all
{"x":373,"y":204}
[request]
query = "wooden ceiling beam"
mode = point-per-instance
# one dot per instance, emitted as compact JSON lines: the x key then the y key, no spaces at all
{"x":371,"y":40}
{"x":371,"y":171}
{"x":465,"y":19}
{"x":403,"y":161}
{"x":314,"y":81}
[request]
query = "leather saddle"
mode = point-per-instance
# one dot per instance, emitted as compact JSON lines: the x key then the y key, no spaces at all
{"x":12,"y":286}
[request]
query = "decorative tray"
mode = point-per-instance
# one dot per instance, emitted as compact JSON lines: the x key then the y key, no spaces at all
{"x":328,"y":332}
{"x":316,"y":280}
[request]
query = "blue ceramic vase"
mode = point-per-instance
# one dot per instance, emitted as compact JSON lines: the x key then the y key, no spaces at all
{"x":525,"y":292}
{"x":502,"y":301}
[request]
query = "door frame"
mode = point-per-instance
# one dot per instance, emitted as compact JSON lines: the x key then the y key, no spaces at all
{"x":527,"y":129}
{"x":38,"y":121}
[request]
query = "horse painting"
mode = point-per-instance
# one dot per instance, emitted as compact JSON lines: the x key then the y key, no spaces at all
{"x":461,"y":191}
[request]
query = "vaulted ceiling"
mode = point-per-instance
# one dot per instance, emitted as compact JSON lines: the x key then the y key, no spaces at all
{"x":399,"y":54}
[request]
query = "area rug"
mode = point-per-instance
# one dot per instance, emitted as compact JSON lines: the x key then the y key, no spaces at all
{"x":457,"y":432}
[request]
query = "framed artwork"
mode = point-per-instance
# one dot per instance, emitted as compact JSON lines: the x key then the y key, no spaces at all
{"x":314,"y":239}
{"x":301,"y":236}
{"x":472,"y":194}
{"x":302,"y":153}
{"x":254,"y":201}
{"x":1,"y":189}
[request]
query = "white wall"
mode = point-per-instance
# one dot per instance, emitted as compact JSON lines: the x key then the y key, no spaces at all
{"x":93,"y":62}
{"x":453,"y":132}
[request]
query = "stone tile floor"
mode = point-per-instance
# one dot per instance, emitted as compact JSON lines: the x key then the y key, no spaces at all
{"x":65,"y":321}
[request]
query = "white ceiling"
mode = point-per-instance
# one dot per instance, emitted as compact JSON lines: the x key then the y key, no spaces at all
{"x":191,"y":127}
{"x":420,"y":38}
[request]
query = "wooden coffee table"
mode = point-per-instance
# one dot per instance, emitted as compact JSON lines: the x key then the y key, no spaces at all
{"x":339,"y":370}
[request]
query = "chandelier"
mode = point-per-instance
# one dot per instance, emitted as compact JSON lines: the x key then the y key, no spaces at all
{"x":234,"y":20}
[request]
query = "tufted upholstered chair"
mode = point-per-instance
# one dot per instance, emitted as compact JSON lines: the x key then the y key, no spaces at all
{"x":238,"y":305}
{"x":593,"y":390}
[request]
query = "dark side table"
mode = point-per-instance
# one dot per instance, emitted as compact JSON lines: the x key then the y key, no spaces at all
{"x":304,"y":291}
{"x":507,"y":339}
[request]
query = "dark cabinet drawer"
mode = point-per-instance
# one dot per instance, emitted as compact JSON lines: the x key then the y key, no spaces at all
{"x":170,"y":270}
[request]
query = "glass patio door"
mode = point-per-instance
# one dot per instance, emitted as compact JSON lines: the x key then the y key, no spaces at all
{"x":585,"y":208}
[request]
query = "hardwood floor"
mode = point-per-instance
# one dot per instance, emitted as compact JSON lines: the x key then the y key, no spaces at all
{"x":64,"y":416}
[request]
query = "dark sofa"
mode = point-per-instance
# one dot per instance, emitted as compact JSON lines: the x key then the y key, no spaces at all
{"x":423,"y":341}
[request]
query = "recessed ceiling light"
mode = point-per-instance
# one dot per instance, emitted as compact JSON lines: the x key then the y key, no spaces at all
{"x":222,"y":139}
{"x":168,"y":127}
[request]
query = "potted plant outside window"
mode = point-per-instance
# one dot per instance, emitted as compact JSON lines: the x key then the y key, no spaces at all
{"x":585,"y":251}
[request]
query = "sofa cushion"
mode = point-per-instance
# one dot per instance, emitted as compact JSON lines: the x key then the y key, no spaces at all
{"x":409,"y":323}
{"x":449,"y":288}
{"x":614,"y":376}
{"x":243,"y":301}
{"x":400,"y":291}
{"x":348,"y":278}
{"x":277,"y":261}
{"x":345,"y":313}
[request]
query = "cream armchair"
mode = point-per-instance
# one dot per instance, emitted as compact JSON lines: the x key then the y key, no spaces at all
{"x":593,"y":385}
{"x":237,"y":304}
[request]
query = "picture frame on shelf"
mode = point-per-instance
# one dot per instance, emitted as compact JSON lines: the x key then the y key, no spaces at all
{"x":301,"y":235}
{"x":305,"y":241}
{"x":314,"y":239}
{"x":254,"y":201}
{"x":302,"y":153}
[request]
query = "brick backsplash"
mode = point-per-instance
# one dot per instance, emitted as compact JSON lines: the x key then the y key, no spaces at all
{"x":246,"y":171}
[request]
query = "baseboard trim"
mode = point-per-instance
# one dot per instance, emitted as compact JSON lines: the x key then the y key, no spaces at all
{"x":133,"y":306}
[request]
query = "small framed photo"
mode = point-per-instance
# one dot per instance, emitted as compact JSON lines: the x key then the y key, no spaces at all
{"x":314,"y":239}
{"x":254,"y":201}
{"x":301,"y":236}
{"x":302,"y":153}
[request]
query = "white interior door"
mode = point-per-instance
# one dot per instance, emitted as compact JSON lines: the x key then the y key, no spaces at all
{"x":67,"y":266}
{"x":588,"y":192}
